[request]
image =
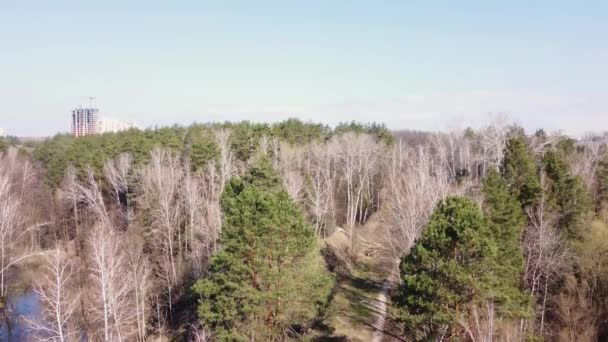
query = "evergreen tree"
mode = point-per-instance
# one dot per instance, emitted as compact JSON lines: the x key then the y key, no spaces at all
{"x":297,"y":132}
{"x":567,"y":193}
{"x":447,"y":268}
{"x":519,"y":171}
{"x":601,"y":175}
{"x":3,"y":145}
{"x":269,"y":275}
{"x":200,"y":147}
{"x":506,"y":220}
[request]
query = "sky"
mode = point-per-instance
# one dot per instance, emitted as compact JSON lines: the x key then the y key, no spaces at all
{"x":427,"y":65}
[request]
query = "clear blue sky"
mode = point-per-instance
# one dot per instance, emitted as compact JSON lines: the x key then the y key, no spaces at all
{"x":423,"y":65}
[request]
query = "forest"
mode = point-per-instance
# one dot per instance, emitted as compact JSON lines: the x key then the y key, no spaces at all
{"x":297,"y":231}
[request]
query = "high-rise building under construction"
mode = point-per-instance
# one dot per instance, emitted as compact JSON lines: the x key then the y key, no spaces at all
{"x":85,"y":121}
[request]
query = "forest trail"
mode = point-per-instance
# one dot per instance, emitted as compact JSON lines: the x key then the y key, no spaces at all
{"x":359,"y":310}
{"x":383,"y":304}
{"x":382,"y":307}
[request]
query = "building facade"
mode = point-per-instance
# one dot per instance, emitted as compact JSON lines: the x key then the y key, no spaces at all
{"x":85,"y":121}
{"x":107,"y":125}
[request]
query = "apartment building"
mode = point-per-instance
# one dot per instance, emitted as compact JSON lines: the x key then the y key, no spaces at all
{"x":85,"y":121}
{"x":106,"y":125}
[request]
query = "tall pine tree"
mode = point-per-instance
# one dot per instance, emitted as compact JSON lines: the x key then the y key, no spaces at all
{"x":601,"y":175}
{"x":269,"y":275}
{"x":519,"y":171}
{"x":567,"y":193}
{"x":506,"y":222}
{"x":463,"y":260}
{"x":446,"y":269}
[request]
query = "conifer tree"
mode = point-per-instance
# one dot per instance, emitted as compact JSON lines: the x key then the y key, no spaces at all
{"x":445,"y":270}
{"x":601,"y":175}
{"x":269,"y":275}
{"x":519,"y":171}
{"x":567,"y":194}
{"x":3,"y":145}
{"x":464,"y":259}
{"x":506,"y":222}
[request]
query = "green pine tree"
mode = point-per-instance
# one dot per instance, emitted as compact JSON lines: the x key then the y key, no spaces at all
{"x":446,"y":269}
{"x":506,"y":220}
{"x":269,"y":275}
{"x":519,"y":171}
{"x":567,"y":193}
{"x":3,"y":145}
{"x":601,"y":175}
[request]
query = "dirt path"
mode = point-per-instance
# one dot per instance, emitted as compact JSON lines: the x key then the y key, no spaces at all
{"x":360,"y":307}
{"x":383,"y":299}
{"x":383,"y":311}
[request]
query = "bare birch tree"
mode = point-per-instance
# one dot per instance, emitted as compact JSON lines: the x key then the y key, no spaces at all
{"x":493,"y":142}
{"x":446,"y":149}
{"x":289,"y":163}
{"x":13,"y":230}
{"x":212,"y":189}
{"x":200,"y":196}
{"x":15,"y":217}
{"x":200,"y":334}
{"x":110,"y":304}
{"x":320,"y":188}
{"x":264,"y":145}
{"x":116,"y":172}
{"x":192,"y":203}
{"x":118,"y":274}
{"x":9,"y":231}
{"x":58,"y":300}
{"x":358,"y":160}
{"x":160,"y":187}
{"x":226,"y":162}
{"x":541,"y":143}
{"x":545,"y":255}
{"x":90,"y":194}
{"x":70,"y":194}
{"x":585,"y":166}
{"x":415,"y":184}
{"x":140,"y":277}
{"x":479,"y":323}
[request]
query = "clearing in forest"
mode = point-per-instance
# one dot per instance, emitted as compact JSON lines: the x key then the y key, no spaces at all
{"x":359,"y":309}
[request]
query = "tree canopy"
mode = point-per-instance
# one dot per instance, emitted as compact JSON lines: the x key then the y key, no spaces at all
{"x":567,"y":193}
{"x":506,"y":222}
{"x":519,"y":170}
{"x":269,"y":274}
{"x":457,"y":262}
{"x":197,"y":142}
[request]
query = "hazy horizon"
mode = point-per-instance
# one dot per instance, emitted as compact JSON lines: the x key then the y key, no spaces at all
{"x":409,"y":65}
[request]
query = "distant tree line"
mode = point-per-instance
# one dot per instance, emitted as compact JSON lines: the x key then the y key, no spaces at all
{"x":196,"y":142}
